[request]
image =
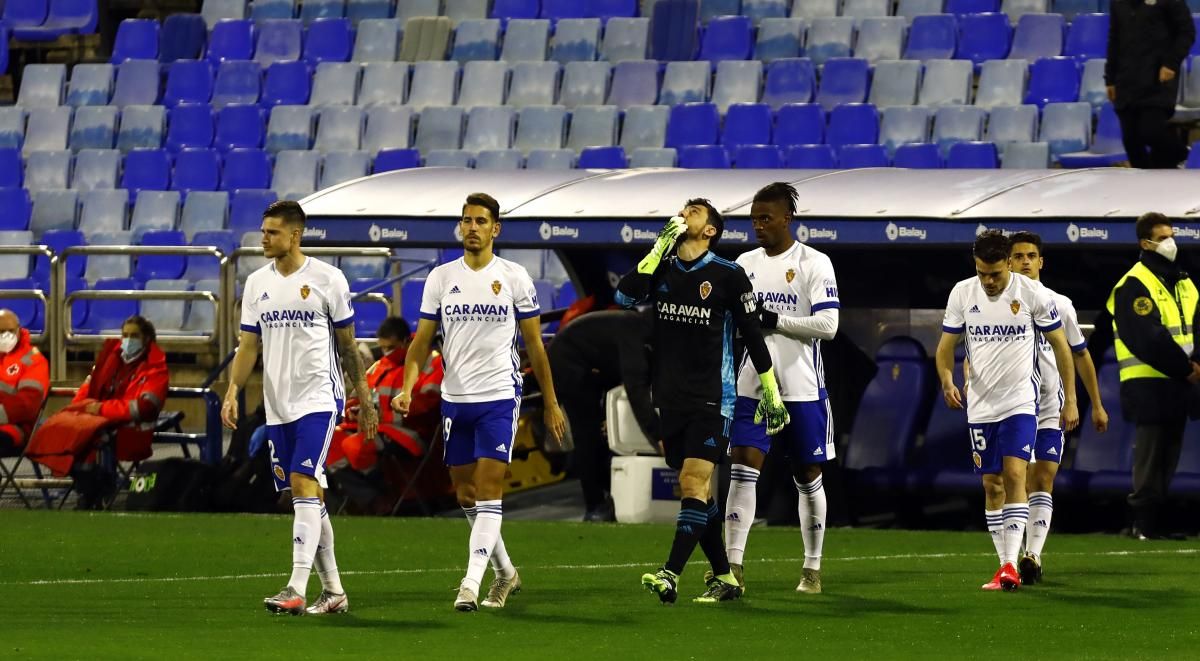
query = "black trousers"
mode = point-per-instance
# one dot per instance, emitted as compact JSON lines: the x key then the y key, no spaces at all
{"x":1156,"y":449}
{"x":583,"y":402}
{"x":1150,"y":142}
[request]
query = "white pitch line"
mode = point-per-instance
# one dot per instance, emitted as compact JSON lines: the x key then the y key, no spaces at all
{"x":621,"y":565}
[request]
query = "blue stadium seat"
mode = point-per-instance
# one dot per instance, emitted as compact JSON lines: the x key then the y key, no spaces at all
{"x":550,"y":159}
{"x":845,"y":80}
{"x":1107,"y":147}
{"x":853,"y":124}
{"x":880,"y":38}
{"x":396,"y":159}
{"x":634,"y":84}
{"x":712,"y":9}
{"x":378,"y":40}
{"x":203,"y":270}
{"x":96,"y":169}
{"x":1053,"y":80}
{"x":693,"y":124}
{"x":967,"y":155}
{"x":1036,"y":36}
{"x":779,"y":38}
{"x":644,"y":126}
{"x":1015,"y":9}
{"x":1001,"y":83}
{"x":90,"y":85}
{"x":603,"y":158}
{"x":153,"y":210}
{"x":650,"y":157}
{"x":107,"y":316}
{"x":476,"y":40}
{"x":189,"y":125}
{"x":1093,"y":89}
{"x":329,"y":40}
{"x":765,"y":10}
{"x":747,"y":124}
{"x":809,"y":9}
{"x":188,"y":81}
{"x":585,"y":83}
{"x":533,"y":84}
{"x":95,"y":127}
{"x":161,"y":267}
{"x":565,"y":9}
{"x":410,"y":299}
{"x":675,"y":24}
{"x":51,"y":210}
{"x":277,"y":40}
{"x":962,"y":7}
{"x":488,"y":127}
{"x":246,"y":168}
{"x":386,"y":83}
{"x":759,"y":157}
{"x":932,"y":37}
{"x":295,"y":173}
{"x":261,"y":10}
{"x":196,"y":170}
{"x":25,"y":14}
{"x":983,"y":37}
{"x":439,"y":128}
{"x":1071,"y":8}
{"x":736,"y":82}
{"x":58,"y":241}
{"x":1067,"y":127}
{"x":30,"y":311}
{"x":625,"y":39}
{"x":829,"y":38}
{"x":64,"y":17}
{"x":12,"y":127}
{"x":341,"y":166}
{"x":42,"y":85}
{"x":231,"y":39}
{"x":799,"y":124}
{"x":313,"y":10}
{"x":789,"y":80}
{"x":388,"y":127}
{"x":540,"y":127}
{"x":953,"y":124}
{"x":499,"y":159}
{"x":483,"y":83}
{"x":708,"y":157}
{"x":183,"y":37}
{"x":1012,"y":124}
{"x":1108,"y":455}
{"x":895,"y":83}
{"x":1025,"y":156}
{"x":146,"y":169}
{"x":47,"y":129}
{"x":289,"y":128}
{"x":368,"y":315}
{"x":103,"y":211}
{"x":917,"y":156}
{"x":238,"y":81}
{"x":137,"y":39}
{"x":946,"y":83}
{"x":136,"y":84}
{"x":11,"y":170}
{"x":1087,"y":37}
{"x":525,"y":40}
{"x":286,"y":84}
{"x":204,"y":211}
{"x":509,"y":9}
{"x":727,"y":38}
{"x":245,"y":210}
{"x":47,"y":170}
{"x":902,"y":125}
{"x":239,"y":126}
{"x":575,"y":40}
{"x":433,"y":84}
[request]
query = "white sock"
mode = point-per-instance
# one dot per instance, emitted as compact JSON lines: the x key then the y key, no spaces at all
{"x":1015,"y":517}
{"x":812,"y":509}
{"x":326,"y":563}
{"x":739,"y":510}
{"x":1041,"y":508}
{"x":995,"y":526}
{"x":485,"y":532}
{"x":306,"y":533}
{"x":501,"y":564}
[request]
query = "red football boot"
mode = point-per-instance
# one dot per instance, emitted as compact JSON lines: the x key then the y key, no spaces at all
{"x":1010,"y":580}
{"x":994,"y":584}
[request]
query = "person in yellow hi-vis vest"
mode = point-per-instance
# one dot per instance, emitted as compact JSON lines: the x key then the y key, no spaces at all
{"x":1153,"y":307}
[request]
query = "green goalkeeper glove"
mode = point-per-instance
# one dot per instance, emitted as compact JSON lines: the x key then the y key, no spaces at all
{"x":662,"y":245}
{"x":771,"y":407}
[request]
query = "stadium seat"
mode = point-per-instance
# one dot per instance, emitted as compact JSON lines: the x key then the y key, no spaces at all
{"x":15,"y":266}
{"x":864,"y":9}
{"x":161,"y":267}
{"x":963,"y":7}
{"x":166,"y":315}
{"x":1109,"y":453}
{"x":625,"y":38}
{"x":932,"y":37}
{"x":96,"y":169}
{"x":799,"y":124}
{"x":386,"y":83}
{"x":779,"y":38}
{"x":1066,"y":127}
{"x":403,"y":10}
{"x":584,"y":84}
{"x":295,"y":173}
{"x":510,"y":9}
{"x":378,"y":40}
{"x":1092,"y":87}
{"x":1012,"y":124}
{"x":983,"y":37}
{"x":650,"y":157}
{"x":712,"y":9}
{"x":261,"y":10}
{"x":286,"y":84}
{"x":154,"y":210}
{"x":146,"y":169}
{"x":245,"y":210}
{"x":231,"y":40}
{"x":764,"y":10}
{"x":1037,"y":36}
{"x":277,"y":40}
{"x":439,"y":128}
{"x":709,"y":157}
{"x":58,"y":241}
{"x":550,"y":159}
{"x":42,"y":85}
{"x":50,"y":210}
{"x":91,"y":85}
{"x":196,"y":170}
{"x":917,"y":156}
{"x":593,"y":126}
{"x":341,"y":166}
{"x":183,"y":37}
{"x":575,"y":40}
{"x":1087,"y":37}
{"x":1072,"y":8}
{"x":1001,"y":83}
{"x":1107,"y":148}
{"x":12,"y":127}
{"x":674,"y":25}
{"x":727,"y":38}
{"x":314,"y":10}
{"x":238,"y":81}
{"x":396,"y":159}
{"x":47,"y":170}
{"x":499,"y":159}
{"x":525,"y":40}
{"x":388,"y":127}
{"x":747,"y":124}
{"x":809,"y":9}
{"x":1053,"y":80}
{"x":634,"y":84}
{"x":540,"y":127}
{"x":853,"y":157}
{"x":11,"y":168}
{"x":953,"y":124}
{"x":910,"y":9}
{"x":557,"y":10}
{"x":789,"y":80}
{"x":239,"y":126}
{"x":433,"y":84}
{"x":644,"y":126}
{"x":335,"y":84}
{"x":424,"y":39}
{"x":136,"y":40}
{"x":1015,"y":9}
{"x":107,"y":316}
{"x":476,"y":40}
{"x":448,"y":158}
{"x":829,"y":38}
{"x":880,"y":38}
{"x":895,"y":83}
{"x":329,"y":40}
{"x":489,"y":127}
{"x":204,"y":211}
{"x":946,"y":83}
{"x":188,"y":81}
{"x":189,"y":125}
{"x":339,"y":128}
{"x":758,"y":157}
{"x":902,"y":125}
{"x":203,"y":269}
{"x":47,"y":129}
{"x":604,"y":158}
{"x":1026,"y":156}
{"x":693,"y":124}
{"x":64,"y":17}
{"x":853,"y":124}
{"x":137,"y":84}
{"x":95,"y":127}
{"x":289,"y":128}
{"x":247,"y":264}
{"x":483,"y":84}
{"x":246,"y":168}
{"x":736,"y":82}
{"x":533,"y":84}
{"x":973,"y":155}
{"x":844,"y":80}
{"x":24,"y":14}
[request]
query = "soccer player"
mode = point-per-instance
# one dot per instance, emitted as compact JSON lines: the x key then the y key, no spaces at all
{"x":480,"y":302}
{"x":998,"y":313}
{"x":798,"y":302}
{"x":300,"y":307}
{"x":1026,"y":258}
{"x":698,"y":298}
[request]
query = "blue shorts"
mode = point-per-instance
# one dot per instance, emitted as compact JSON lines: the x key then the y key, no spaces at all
{"x":300,"y":446}
{"x":807,"y":439}
{"x":1013,"y":436}
{"x":480,"y":430}
{"x":1049,"y":445}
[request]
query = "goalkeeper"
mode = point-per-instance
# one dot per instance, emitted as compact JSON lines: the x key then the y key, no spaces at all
{"x":698,"y":299}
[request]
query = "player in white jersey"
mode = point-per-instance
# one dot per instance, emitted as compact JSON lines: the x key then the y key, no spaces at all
{"x":998,"y":314}
{"x":798,"y":299}
{"x":480,"y":302}
{"x":300,"y":308}
{"x":1026,"y":258}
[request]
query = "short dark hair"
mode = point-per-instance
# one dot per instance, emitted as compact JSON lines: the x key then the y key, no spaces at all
{"x":144,"y":325}
{"x":1025,"y":236}
{"x":714,"y":218}
{"x":393,"y":328}
{"x":992,"y":246}
{"x":287,"y":211}
{"x":1148,"y":221}
{"x":781,"y":192}
{"x":486,"y":201}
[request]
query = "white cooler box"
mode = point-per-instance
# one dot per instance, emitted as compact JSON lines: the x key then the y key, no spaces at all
{"x":644,"y":489}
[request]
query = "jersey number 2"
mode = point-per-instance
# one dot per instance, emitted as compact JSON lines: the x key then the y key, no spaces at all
{"x":978,"y":440}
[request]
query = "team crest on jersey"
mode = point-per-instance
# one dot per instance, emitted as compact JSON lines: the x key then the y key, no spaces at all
{"x":1142,"y":306}
{"x":13,"y":369}
{"x":705,"y":290}
{"x":496,"y":287}
{"x":977,"y":459}
{"x":304,"y":292}
{"x":790,"y":275}
{"x":1015,"y":306}
{"x":279,"y":473}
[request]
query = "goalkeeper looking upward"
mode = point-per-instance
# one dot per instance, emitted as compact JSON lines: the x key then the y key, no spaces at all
{"x":698,"y":298}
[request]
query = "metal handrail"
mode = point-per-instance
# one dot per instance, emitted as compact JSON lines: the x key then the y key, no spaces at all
{"x":37,"y":295}
{"x":136,"y":294}
{"x":51,"y":312}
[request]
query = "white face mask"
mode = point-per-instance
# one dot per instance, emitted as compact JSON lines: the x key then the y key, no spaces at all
{"x":1167,"y":248}
{"x":8,"y":341}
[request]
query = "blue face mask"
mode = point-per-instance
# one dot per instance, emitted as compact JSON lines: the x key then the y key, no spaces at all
{"x":130,"y":348}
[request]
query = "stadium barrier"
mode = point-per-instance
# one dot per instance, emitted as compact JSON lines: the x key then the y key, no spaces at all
{"x":35,"y":294}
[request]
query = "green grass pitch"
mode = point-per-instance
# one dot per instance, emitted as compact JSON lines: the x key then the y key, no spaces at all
{"x":88,"y":586}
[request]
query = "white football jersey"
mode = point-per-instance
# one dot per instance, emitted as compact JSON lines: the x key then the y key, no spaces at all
{"x":1051,"y":397}
{"x":795,"y":283}
{"x":295,"y":316}
{"x":1001,"y":344}
{"x":478,"y":312}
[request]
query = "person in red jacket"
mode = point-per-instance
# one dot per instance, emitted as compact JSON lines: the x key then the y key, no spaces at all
{"x":24,"y":382}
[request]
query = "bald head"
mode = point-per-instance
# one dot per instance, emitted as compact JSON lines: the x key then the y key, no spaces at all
{"x":9,"y":323}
